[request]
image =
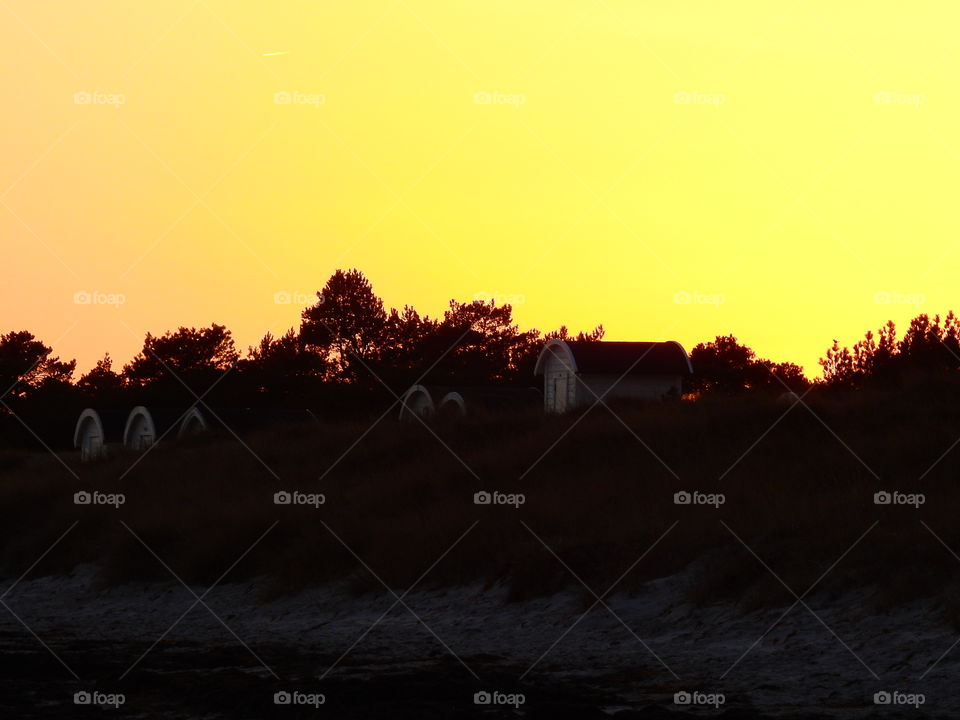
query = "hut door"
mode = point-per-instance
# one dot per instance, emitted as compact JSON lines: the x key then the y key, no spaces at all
{"x":90,"y":448}
{"x":560,"y":393}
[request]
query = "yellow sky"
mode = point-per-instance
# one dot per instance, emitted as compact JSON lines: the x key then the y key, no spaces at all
{"x":776,"y":165}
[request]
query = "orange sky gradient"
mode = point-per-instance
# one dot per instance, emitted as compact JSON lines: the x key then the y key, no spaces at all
{"x":783,"y":171}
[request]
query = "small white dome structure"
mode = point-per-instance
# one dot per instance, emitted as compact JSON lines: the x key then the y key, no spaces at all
{"x":491,"y":402}
{"x":89,"y":437}
{"x":145,"y":427}
{"x":140,"y":431}
{"x":788,"y":398}
{"x":452,"y":405}
{"x":193,"y":423}
{"x":416,"y":401}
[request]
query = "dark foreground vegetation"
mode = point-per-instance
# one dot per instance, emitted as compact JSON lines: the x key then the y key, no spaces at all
{"x":799,"y":484}
{"x":798,"y":488}
{"x":798,"y":481}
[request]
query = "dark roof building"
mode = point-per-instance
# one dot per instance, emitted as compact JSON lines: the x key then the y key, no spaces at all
{"x":584,"y":372}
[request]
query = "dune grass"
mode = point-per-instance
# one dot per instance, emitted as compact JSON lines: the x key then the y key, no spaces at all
{"x":599,"y":492}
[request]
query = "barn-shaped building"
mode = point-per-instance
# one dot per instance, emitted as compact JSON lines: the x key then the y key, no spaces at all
{"x":578,"y":372}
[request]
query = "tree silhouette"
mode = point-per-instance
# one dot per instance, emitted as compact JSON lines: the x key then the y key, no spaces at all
{"x":726,"y":366}
{"x":195,"y":357}
{"x":564,"y":334}
{"x":101,"y":381}
{"x":488,"y":347}
{"x":36,"y":386}
{"x":474,"y":343}
{"x":930,"y":345}
{"x":413,"y":343}
{"x":785,"y":376}
{"x":347,"y":325}
{"x":282,"y":368}
{"x":347,"y":343}
{"x":27,"y":366}
{"x":929,"y":349}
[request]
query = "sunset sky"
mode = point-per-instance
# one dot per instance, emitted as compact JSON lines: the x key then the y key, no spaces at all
{"x":783,"y":171}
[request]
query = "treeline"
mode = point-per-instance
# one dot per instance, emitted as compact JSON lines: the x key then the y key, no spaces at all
{"x":928,"y":351}
{"x":350,"y":354}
